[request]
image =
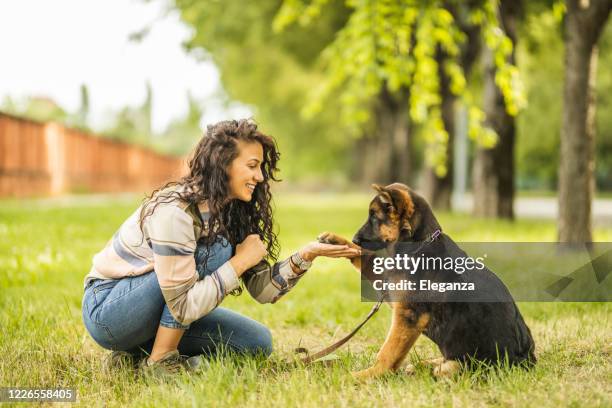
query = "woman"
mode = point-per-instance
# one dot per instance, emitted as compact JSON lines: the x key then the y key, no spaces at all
{"x":156,"y":285}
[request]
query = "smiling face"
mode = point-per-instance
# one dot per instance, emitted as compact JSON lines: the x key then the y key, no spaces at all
{"x":245,"y":171}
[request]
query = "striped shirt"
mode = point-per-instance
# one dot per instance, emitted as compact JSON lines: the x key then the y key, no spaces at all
{"x":167,"y":245}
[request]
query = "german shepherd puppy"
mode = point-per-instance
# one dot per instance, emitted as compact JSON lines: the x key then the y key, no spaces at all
{"x":465,"y":332}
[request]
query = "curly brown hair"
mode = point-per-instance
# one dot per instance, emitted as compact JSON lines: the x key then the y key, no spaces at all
{"x":208,"y":180}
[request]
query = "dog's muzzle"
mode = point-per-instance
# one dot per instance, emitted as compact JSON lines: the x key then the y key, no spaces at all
{"x":373,"y":245}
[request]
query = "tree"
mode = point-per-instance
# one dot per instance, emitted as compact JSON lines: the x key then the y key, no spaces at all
{"x":383,"y":153}
{"x":38,"y":108}
{"x":147,"y":110}
{"x":584,"y":22}
{"x":325,"y":77}
{"x":539,"y":125}
{"x":438,"y":189}
{"x":183,"y":133}
{"x":273,"y":74}
{"x":82,"y":116}
{"x":45,"y":109}
{"x":133,"y":124}
{"x":387,"y":47}
{"x":493,"y":171}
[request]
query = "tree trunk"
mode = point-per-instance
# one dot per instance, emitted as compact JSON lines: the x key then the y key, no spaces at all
{"x":493,"y":171}
{"x":438,"y":190}
{"x":385,"y":157}
{"x":583,"y":25}
{"x":400,"y":165}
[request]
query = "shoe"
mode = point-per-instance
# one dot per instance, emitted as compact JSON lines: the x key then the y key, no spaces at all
{"x":195,"y":363}
{"x":170,"y":364}
{"x":118,"y":360}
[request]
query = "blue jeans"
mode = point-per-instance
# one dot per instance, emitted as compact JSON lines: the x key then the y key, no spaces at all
{"x":124,"y":314}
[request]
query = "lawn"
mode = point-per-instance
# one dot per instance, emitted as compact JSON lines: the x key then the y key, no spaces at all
{"x":46,"y":248}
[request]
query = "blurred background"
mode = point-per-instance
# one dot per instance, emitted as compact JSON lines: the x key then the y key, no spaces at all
{"x":498,"y":108}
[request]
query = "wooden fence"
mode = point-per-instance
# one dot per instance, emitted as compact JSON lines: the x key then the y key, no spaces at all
{"x":42,"y":159}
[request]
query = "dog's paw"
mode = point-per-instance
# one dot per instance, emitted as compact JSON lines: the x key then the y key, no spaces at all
{"x":369,"y":373}
{"x":409,"y":369}
{"x":331,"y":238}
{"x":447,"y":369}
{"x":363,"y":375}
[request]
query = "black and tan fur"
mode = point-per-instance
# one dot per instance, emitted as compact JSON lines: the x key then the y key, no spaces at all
{"x":464,"y":331}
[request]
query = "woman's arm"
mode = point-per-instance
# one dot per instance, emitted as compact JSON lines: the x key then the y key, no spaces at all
{"x":267,"y":283}
{"x":172,"y":239}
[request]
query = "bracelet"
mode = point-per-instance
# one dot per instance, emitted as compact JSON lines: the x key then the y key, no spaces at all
{"x":299,"y":262}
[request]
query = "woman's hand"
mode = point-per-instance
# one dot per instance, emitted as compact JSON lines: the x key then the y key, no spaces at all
{"x":248,"y":254}
{"x":315,"y":249}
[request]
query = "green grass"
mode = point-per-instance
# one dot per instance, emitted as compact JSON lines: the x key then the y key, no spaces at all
{"x":46,"y":249}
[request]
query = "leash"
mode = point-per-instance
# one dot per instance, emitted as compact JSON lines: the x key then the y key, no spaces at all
{"x":328,"y":350}
{"x":310,"y":358}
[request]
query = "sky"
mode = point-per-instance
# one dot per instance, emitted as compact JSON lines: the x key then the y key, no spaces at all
{"x":49,"y":48}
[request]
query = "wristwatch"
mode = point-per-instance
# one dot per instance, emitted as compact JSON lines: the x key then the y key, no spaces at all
{"x":300,"y":262}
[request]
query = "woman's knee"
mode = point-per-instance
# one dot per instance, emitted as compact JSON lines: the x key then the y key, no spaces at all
{"x":255,"y":340}
{"x":251,"y":337}
{"x":128,"y":316}
{"x":97,"y":332}
{"x":236,"y":332}
{"x":261,"y":344}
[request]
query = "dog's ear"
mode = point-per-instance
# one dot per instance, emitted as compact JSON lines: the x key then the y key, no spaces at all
{"x":378,"y":188}
{"x":410,"y":225}
{"x":405,"y":208}
{"x":402,"y":202}
{"x":384,"y":195}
